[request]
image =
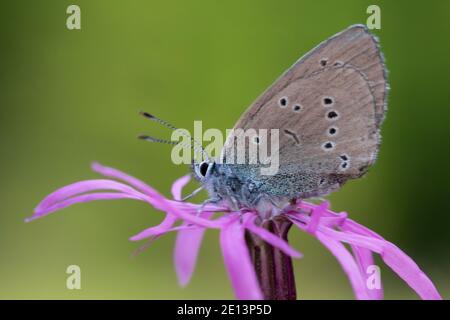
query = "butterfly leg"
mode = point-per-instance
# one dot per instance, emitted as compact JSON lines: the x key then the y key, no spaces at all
{"x":291,"y":206}
{"x":268,"y":198}
{"x":234,"y":203}
{"x":204,"y":203}
{"x":258,"y":198}
{"x":192,"y":194}
{"x":265,"y":205}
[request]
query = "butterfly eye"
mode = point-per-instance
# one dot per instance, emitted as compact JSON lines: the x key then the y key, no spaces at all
{"x":203,"y":168}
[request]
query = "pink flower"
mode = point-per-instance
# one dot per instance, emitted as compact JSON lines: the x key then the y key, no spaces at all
{"x":330,"y":228}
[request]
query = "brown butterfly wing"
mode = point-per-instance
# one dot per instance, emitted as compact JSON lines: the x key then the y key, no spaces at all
{"x":328,"y":107}
{"x":354,"y":47}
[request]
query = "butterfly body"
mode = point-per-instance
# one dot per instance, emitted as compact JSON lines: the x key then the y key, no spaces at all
{"x":241,"y":186}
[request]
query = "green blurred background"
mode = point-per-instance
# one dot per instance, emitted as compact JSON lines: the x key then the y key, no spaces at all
{"x":71,"y":97}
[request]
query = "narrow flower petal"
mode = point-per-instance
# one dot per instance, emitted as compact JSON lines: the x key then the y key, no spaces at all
{"x":364,"y":259}
{"x":155,"y":198}
{"x":165,"y":231}
{"x":152,"y":197}
{"x":161,"y":228}
{"x":238,"y":263}
{"x":355,"y":227}
{"x":169,"y":220}
{"x":117,"y":174}
{"x":397,"y":260}
{"x":178,"y":185}
{"x":84,"y":187}
{"x":348,"y":263}
{"x":363,"y":256}
{"x":270,"y":238}
{"x":349,"y":224}
{"x":187,"y":246}
{"x":410,"y":272}
{"x":148,"y":190}
{"x":83,"y":198}
{"x":169,"y":208}
{"x":316,"y":214}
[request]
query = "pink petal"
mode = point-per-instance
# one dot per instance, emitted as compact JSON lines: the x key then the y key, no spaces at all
{"x":349,"y":224}
{"x":170,"y":219}
{"x":83,"y":187}
{"x":156,"y":199}
{"x":167,"y":206}
{"x":364,"y":259}
{"x":360,"y":236}
{"x":348,"y":263}
{"x":117,"y":174}
{"x":83,"y":198}
{"x":396,"y":259}
{"x":410,"y":272}
{"x":270,"y":238}
{"x":179,"y":184}
{"x":161,"y":228}
{"x":238,"y":263}
{"x":187,"y":246}
{"x":165,"y":231}
{"x":152,"y":197}
{"x":355,"y":227}
{"x":375,"y":245}
{"x":187,"y":243}
{"x":316,"y":214}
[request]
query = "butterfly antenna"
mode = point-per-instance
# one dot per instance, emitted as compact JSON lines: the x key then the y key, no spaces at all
{"x":195,"y":144}
{"x":153,"y":139}
{"x":158,"y":120}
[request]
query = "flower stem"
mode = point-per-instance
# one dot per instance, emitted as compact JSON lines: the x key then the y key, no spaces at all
{"x":273,"y":268}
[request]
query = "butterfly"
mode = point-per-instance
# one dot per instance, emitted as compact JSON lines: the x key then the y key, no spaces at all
{"x":327,"y":108}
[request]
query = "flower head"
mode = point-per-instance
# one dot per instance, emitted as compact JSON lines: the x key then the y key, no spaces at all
{"x":332,"y":229}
